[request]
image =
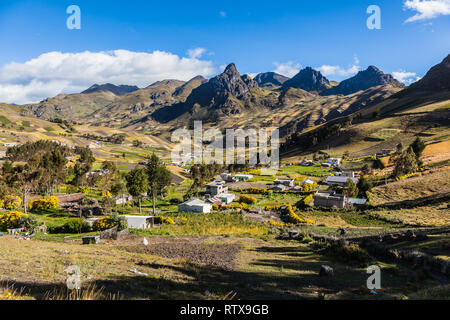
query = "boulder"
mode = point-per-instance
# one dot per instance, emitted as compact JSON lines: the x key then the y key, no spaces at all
{"x":326,"y":271}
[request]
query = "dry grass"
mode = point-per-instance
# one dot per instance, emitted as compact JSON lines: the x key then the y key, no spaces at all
{"x":413,"y":188}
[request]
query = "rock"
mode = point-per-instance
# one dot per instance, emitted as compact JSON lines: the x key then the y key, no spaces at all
{"x":326,"y":271}
{"x":293,"y":234}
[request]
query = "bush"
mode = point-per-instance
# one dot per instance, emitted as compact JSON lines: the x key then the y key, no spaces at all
{"x":109,"y":222}
{"x":350,"y":253}
{"x":72,"y":226}
{"x":12,"y":203}
{"x":15,"y":219}
{"x":44,"y":204}
{"x":175,"y":201}
{"x":295,"y":219}
{"x":247,"y":199}
{"x":164,"y":220}
{"x":103,"y":224}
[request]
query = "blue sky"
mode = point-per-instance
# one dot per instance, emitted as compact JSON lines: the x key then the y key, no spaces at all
{"x":258,"y":36}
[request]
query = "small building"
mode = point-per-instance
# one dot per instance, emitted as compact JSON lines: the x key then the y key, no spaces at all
{"x":124,"y":199}
{"x":326,"y":165}
{"x":195,"y":205}
{"x":279,"y":187}
{"x":11,"y":144}
{"x":285,"y":182}
{"x":306,"y":163}
{"x":216,"y":188}
{"x":222,"y":199}
{"x":355,"y":202}
{"x":339,"y":180}
{"x":227,"y":177}
{"x":308,"y":182}
{"x":296,"y":188}
{"x":329,"y":199}
{"x":243,"y":177}
{"x":140,"y":222}
{"x":334,"y":162}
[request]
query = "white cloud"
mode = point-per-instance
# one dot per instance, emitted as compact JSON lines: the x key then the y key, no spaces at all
{"x":328,"y":70}
{"x":405,"y":77}
{"x":427,"y":9}
{"x":288,"y":69}
{"x":55,"y":72}
{"x":196,"y":53}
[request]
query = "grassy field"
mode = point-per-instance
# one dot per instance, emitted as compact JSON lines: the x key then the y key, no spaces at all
{"x":245,"y":267}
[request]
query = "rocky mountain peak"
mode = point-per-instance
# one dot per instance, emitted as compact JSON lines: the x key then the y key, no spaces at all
{"x":363,"y":80}
{"x":308,"y":79}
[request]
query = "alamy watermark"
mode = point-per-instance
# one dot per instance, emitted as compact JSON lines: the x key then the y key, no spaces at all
{"x":374,"y":281}
{"x":374,"y":20}
{"x":74,"y":20}
{"x":237,"y":146}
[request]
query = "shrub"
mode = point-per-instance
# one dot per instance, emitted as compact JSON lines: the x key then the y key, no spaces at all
{"x":350,"y":253}
{"x":44,"y":204}
{"x":15,"y":219}
{"x":276,"y":224}
{"x":72,"y":226}
{"x":175,"y":201}
{"x":308,"y":200}
{"x":164,"y":220}
{"x":12,"y":203}
{"x":295,"y":219}
{"x":247,"y":199}
{"x":103,"y":224}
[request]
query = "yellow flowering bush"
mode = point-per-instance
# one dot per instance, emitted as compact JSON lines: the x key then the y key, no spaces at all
{"x":16,"y":219}
{"x":106,"y":194}
{"x":44,"y":204}
{"x":294,"y":218}
{"x":247,"y":199}
{"x":12,"y":203}
{"x":308,"y":200}
{"x":103,"y":224}
{"x":164,"y":220}
{"x":276,"y":224}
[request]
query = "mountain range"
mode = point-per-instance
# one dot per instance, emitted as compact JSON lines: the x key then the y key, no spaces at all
{"x":230,"y":99}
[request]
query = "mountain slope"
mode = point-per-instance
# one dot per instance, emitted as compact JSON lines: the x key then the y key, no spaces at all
{"x":371,"y":77}
{"x":108,"y":87}
{"x":270,"y":79}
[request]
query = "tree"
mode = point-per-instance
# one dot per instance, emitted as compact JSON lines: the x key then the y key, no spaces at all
{"x":406,"y":163}
{"x":137,"y":184}
{"x":158,"y":177}
{"x":364,"y":185}
{"x":418,"y":146}
{"x":350,"y":189}
{"x":399,"y":148}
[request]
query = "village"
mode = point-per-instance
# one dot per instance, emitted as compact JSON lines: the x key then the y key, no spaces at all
{"x":173,"y":211}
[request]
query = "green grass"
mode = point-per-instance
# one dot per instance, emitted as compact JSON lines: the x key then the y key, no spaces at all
{"x":4,"y":120}
{"x":315,"y":171}
{"x":212,"y":224}
{"x":49,"y":129}
{"x":385,"y":134}
{"x":446,"y":107}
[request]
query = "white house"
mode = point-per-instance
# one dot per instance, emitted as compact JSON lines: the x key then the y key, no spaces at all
{"x":216,"y":188}
{"x":140,"y":222}
{"x":285,"y":182}
{"x":340,"y":181}
{"x":335,"y":162}
{"x":195,"y":205}
{"x":123,"y":199}
{"x":243,"y":177}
